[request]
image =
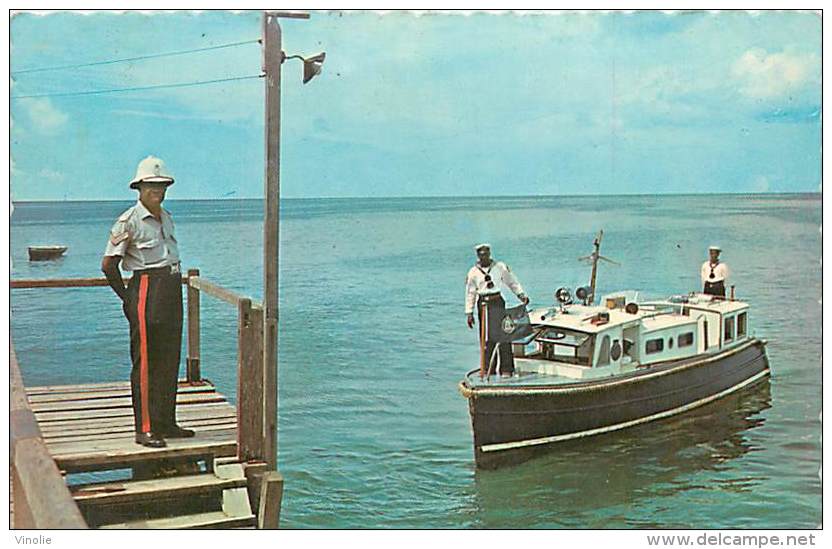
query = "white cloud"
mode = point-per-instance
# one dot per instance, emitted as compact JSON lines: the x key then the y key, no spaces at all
{"x":760,"y":184}
{"x":767,"y":76}
{"x":50,"y":176}
{"x":44,"y":115}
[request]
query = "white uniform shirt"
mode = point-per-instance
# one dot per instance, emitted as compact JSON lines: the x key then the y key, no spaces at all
{"x":720,"y":271}
{"x":143,"y":241}
{"x":475,"y":283}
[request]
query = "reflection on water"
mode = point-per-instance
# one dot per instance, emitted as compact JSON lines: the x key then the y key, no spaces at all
{"x":577,"y":479}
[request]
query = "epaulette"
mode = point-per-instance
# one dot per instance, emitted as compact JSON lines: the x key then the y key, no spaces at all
{"x":126,"y":215}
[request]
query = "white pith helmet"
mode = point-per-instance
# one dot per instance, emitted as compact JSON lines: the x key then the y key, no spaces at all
{"x":151,"y":170}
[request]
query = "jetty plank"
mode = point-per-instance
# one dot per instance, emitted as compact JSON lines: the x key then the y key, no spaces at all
{"x":76,"y":458}
{"x":101,"y":386}
{"x":206,"y":409}
{"x":110,"y":393}
{"x":143,"y":490}
{"x":129,"y":432}
{"x":215,"y":519}
{"x":120,"y":402}
{"x":85,"y":427}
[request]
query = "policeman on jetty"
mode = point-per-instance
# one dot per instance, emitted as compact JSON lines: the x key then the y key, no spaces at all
{"x":483,"y":285}
{"x":714,"y":273}
{"x":143,"y":239}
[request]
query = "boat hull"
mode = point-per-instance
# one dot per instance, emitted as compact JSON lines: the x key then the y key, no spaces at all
{"x":511,"y":422}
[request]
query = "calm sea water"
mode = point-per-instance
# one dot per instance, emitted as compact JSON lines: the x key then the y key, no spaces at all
{"x":373,"y":432}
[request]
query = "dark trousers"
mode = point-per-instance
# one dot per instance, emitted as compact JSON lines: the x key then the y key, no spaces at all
{"x":154,"y":309}
{"x":715,"y":288}
{"x":491,"y":310}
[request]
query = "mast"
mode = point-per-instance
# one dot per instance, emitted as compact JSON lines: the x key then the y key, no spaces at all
{"x":593,"y":258}
{"x":596,"y":253}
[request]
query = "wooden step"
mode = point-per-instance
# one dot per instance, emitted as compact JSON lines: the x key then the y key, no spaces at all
{"x":81,"y":456}
{"x":214,"y":519}
{"x":144,"y":490}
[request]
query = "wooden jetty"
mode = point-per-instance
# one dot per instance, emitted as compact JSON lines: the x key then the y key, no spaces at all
{"x":221,"y":478}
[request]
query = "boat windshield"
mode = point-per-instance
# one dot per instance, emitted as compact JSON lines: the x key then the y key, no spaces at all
{"x":566,"y":345}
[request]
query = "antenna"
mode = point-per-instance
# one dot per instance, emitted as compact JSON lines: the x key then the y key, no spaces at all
{"x":593,"y":259}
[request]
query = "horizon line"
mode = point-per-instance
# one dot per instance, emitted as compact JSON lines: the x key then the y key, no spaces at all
{"x":232,"y":199}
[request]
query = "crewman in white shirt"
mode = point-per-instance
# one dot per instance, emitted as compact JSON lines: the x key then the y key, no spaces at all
{"x":714,"y":273}
{"x":483,"y":287}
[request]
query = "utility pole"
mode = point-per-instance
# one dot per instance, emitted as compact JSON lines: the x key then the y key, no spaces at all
{"x":272,"y":61}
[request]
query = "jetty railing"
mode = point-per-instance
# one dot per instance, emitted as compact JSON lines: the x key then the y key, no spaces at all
{"x":41,"y":499}
{"x":256,"y":429}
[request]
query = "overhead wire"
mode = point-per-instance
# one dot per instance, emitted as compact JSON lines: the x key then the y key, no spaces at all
{"x":134,"y":58}
{"x":139,"y":88}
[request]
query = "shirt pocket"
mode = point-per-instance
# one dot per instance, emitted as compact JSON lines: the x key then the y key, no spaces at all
{"x":152,"y":251}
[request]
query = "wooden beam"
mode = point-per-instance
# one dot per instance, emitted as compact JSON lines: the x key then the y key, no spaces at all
{"x":64,"y":282}
{"x":215,"y":290}
{"x":41,"y":498}
{"x":193,"y":374}
{"x":272,"y":61}
{"x":250,"y":382}
{"x":271,"y":498}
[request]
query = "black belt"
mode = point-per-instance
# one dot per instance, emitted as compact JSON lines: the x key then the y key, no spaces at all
{"x":489,"y":297}
{"x":166,"y":270}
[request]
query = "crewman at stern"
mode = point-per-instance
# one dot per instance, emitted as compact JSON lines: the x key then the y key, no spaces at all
{"x":142,"y":240}
{"x":483,"y":287}
{"x":714,"y":273}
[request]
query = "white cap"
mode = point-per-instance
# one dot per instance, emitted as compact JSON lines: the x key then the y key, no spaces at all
{"x":482,"y":245}
{"x":151,"y":170}
{"x":714,"y":247}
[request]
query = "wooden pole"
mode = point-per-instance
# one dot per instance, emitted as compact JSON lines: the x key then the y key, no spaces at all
{"x":271,"y":496}
{"x":192,"y":361}
{"x":272,"y":61}
{"x":249,"y":382}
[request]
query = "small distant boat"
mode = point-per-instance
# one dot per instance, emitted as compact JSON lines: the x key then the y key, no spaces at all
{"x":45,"y":253}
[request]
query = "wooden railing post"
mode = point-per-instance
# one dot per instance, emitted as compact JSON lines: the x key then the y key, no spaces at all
{"x":192,"y":361}
{"x":250,"y":443}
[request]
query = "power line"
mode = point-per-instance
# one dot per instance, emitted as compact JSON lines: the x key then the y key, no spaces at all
{"x":138,"y":88}
{"x":135,"y":58}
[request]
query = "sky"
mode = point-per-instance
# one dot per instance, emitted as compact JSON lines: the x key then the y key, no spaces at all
{"x":424,"y":105}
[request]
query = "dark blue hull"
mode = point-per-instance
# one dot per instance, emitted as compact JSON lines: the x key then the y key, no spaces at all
{"x":509,"y":421}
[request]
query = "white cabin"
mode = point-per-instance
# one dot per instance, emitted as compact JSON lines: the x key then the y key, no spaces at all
{"x":577,"y":342}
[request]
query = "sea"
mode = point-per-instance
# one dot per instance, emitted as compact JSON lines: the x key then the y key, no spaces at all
{"x":373,"y":432}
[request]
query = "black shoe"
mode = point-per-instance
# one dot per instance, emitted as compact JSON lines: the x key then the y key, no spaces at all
{"x":151,"y":440}
{"x":178,"y":432}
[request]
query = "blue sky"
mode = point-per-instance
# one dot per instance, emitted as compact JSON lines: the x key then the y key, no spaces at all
{"x":430,"y":105}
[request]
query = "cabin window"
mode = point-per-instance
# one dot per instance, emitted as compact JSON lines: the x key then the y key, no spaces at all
{"x":670,"y":343}
{"x":742,"y":324}
{"x":568,"y":346}
{"x":604,"y":352}
{"x":654,"y":346}
{"x":728,"y":332}
{"x":685,"y":340}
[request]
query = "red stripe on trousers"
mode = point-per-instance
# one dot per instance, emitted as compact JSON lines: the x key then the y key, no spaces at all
{"x":143,"y":374}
